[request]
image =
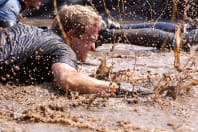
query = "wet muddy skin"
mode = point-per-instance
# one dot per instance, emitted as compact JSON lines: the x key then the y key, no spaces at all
{"x":172,"y":106}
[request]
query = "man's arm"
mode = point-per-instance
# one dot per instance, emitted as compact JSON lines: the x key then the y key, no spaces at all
{"x":69,"y":78}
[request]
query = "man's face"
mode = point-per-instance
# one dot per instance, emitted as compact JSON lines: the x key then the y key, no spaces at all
{"x":33,"y":3}
{"x":86,"y":42}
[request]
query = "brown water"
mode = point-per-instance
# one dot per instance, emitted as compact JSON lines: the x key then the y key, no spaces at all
{"x":46,"y":108}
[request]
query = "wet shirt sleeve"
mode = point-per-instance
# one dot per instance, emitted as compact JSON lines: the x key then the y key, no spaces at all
{"x":62,"y":53}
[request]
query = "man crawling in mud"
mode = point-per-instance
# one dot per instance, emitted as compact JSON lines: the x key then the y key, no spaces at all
{"x":32,"y":55}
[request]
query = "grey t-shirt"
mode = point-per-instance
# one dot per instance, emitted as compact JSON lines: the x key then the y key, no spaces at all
{"x":27,"y":53}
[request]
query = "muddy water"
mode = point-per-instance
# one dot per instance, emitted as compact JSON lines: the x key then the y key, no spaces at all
{"x":47,"y":108}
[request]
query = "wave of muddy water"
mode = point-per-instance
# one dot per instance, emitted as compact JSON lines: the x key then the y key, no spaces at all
{"x":46,"y":108}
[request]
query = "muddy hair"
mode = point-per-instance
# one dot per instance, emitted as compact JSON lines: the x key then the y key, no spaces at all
{"x":76,"y":17}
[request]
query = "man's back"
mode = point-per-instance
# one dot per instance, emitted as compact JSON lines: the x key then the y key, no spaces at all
{"x":33,"y":51}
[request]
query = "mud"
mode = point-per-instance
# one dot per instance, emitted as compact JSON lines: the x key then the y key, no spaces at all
{"x":163,"y":99}
{"x":47,"y":108}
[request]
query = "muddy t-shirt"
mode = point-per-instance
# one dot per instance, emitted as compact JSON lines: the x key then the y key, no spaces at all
{"x":27,"y":53}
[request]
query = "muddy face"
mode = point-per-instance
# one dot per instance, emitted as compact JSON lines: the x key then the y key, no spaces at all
{"x":85,"y":42}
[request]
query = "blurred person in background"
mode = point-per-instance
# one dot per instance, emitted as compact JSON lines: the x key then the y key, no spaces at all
{"x":10,"y":10}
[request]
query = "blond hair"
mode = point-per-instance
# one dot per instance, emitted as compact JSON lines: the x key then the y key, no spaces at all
{"x":76,"y":17}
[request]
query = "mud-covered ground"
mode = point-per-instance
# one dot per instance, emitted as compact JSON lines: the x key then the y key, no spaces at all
{"x":164,"y":99}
